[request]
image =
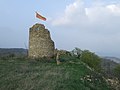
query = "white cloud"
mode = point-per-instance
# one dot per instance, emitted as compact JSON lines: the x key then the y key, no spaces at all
{"x":78,"y":13}
{"x":95,"y":27}
{"x":71,"y":13}
{"x":115,"y":9}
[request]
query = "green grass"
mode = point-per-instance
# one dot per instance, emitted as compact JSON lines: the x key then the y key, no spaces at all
{"x":23,"y":74}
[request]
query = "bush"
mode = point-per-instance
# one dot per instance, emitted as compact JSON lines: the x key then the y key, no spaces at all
{"x":91,"y":59}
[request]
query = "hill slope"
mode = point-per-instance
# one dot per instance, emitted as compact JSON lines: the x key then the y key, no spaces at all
{"x":4,"y":52}
{"x":21,"y":74}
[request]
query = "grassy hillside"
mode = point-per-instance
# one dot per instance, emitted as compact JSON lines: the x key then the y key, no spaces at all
{"x":72,"y":74}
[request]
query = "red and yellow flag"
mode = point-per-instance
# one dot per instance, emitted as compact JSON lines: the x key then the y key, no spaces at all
{"x":40,"y":17}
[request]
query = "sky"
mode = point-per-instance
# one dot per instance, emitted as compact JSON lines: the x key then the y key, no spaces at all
{"x":87,"y":24}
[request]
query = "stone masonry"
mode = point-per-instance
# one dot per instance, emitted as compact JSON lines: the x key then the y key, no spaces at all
{"x":40,"y":43}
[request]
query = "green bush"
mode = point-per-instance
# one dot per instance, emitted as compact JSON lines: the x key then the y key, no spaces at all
{"x":91,"y":59}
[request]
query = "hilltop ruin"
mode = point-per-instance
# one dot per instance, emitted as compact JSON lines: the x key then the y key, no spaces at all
{"x":40,"y":42}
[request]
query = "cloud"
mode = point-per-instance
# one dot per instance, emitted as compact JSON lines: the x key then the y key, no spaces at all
{"x":95,"y":16}
{"x":94,"y":27}
{"x":78,"y":12}
{"x":71,"y":13}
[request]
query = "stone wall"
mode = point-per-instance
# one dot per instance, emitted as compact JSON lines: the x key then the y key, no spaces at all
{"x":40,"y":43}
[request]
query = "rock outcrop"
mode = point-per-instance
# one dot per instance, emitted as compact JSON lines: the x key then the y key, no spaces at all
{"x":40,"y":43}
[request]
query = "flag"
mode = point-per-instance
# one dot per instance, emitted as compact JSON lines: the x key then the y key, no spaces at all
{"x":40,"y":17}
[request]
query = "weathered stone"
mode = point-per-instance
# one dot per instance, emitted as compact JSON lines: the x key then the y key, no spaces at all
{"x":40,"y":43}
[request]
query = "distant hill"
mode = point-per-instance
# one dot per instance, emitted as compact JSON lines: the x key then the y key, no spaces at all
{"x":117,"y":60}
{"x":13,"y":51}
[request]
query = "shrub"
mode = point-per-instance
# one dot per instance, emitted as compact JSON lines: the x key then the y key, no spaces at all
{"x":91,"y":59}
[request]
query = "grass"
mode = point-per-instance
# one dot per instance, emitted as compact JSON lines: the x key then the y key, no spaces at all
{"x":24,"y":74}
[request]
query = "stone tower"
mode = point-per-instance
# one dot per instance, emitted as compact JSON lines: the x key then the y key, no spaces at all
{"x":40,"y":43}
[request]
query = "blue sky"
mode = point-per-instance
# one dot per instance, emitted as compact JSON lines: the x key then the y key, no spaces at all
{"x":87,"y":24}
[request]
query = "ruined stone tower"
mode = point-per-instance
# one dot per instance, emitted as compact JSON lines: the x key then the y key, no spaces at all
{"x":40,"y":43}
